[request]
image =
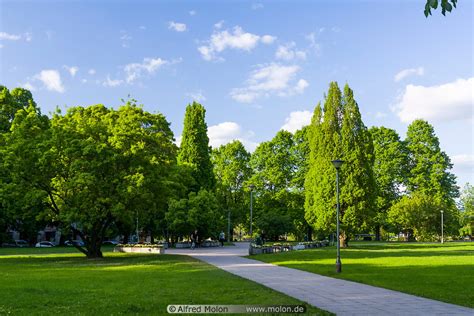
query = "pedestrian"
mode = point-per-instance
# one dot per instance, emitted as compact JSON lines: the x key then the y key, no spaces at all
{"x":194,"y":239}
{"x":222,"y":238}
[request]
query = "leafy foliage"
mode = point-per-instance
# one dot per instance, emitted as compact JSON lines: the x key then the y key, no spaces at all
{"x":446,"y":5}
{"x":93,"y":166}
{"x":194,"y":150}
{"x":428,"y":165}
{"x":467,"y":210}
{"x":421,"y":214}
{"x":390,"y":161}
{"x":338,"y":132}
{"x":232,"y":169}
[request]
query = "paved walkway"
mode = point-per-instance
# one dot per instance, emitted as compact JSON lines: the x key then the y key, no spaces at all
{"x":334,"y":295}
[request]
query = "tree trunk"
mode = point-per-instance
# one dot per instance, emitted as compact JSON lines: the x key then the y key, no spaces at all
{"x":377,"y":232}
{"x":93,"y":248}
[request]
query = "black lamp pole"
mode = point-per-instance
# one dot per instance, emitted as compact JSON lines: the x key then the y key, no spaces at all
{"x":337,"y":164}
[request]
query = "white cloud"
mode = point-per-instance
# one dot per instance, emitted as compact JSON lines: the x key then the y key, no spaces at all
{"x":51,"y":79}
{"x":28,"y":37}
{"x":379,"y":115}
{"x":9,"y":37}
{"x":270,"y":79}
{"x":446,"y":102}
{"x":84,"y":80}
{"x":72,"y":70}
{"x":408,"y":72}
{"x":463,"y":166}
{"x":1,"y":45}
{"x":236,"y":39}
{"x":134,"y":71}
{"x":297,"y":120}
{"x":257,"y":6}
{"x":178,"y":27}
{"x":301,"y":86}
{"x":16,"y":37}
{"x":197,"y":96}
{"x":192,"y":12}
{"x":91,"y":71}
{"x":268,"y":39}
{"x":219,"y":24}
{"x":28,"y":86}
{"x":463,"y":163}
{"x":112,"y":82}
{"x":226,"y":132}
{"x":178,"y":140}
{"x":125,"y":38}
{"x":289,"y":52}
{"x":312,"y":38}
{"x":142,"y":27}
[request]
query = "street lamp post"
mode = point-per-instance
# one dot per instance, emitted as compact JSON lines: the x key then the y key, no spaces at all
{"x":442,"y":227}
{"x":138,"y":238}
{"x":337,"y":164}
{"x":228,"y":225}
{"x":251,"y":207}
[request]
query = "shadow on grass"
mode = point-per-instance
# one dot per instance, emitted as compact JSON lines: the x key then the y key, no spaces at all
{"x":362,"y":253}
{"x":451,"y":284}
{"x":140,"y":284}
{"x":410,"y":246}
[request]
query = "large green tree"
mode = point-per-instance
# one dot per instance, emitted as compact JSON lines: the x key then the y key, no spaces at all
{"x":93,"y":166}
{"x":429,"y":167}
{"x":232,"y":170}
{"x":18,"y":207}
{"x":431,"y":187}
{"x":278,"y":206}
{"x":337,"y":131}
{"x":467,"y":210}
{"x":389,"y":171}
{"x":194,"y":150}
{"x":358,"y":190}
{"x":418,"y":215}
{"x":198,"y":211}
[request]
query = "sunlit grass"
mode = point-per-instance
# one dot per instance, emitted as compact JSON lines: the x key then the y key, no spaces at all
{"x":63,"y":281}
{"x":441,"y":272}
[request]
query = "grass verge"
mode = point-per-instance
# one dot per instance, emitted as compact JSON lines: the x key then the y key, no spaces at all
{"x":440,"y":272}
{"x":62,"y":281}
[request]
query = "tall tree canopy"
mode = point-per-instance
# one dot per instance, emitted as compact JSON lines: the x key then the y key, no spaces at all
{"x":92,"y":166}
{"x":194,"y":149}
{"x":429,"y":167}
{"x":277,"y":208}
{"x":338,"y":132}
{"x":232,"y":170}
{"x":389,"y":171}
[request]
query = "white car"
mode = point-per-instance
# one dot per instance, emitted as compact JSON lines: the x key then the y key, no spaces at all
{"x":43,"y":244}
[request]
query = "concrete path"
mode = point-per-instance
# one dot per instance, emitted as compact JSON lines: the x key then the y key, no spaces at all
{"x":334,"y":295}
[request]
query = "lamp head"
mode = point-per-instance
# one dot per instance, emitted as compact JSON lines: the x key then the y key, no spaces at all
{"x":251,"y":187}
{"x":337,"y":163}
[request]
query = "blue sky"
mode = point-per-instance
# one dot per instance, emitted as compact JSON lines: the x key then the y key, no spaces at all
{"x":257,"y":66}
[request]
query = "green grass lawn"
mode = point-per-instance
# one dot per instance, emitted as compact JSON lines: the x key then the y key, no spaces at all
{"x":441,"y":272}
{"x":61,"y":281}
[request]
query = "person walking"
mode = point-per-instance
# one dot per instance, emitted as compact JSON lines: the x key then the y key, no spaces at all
{"x":222,"y":238}
{"x":194,"y":239}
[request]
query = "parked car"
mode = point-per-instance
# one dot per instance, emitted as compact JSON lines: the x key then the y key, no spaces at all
{"x":110,"y":242}
{"x":74,"y":243}
{"x":44,"y":244}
